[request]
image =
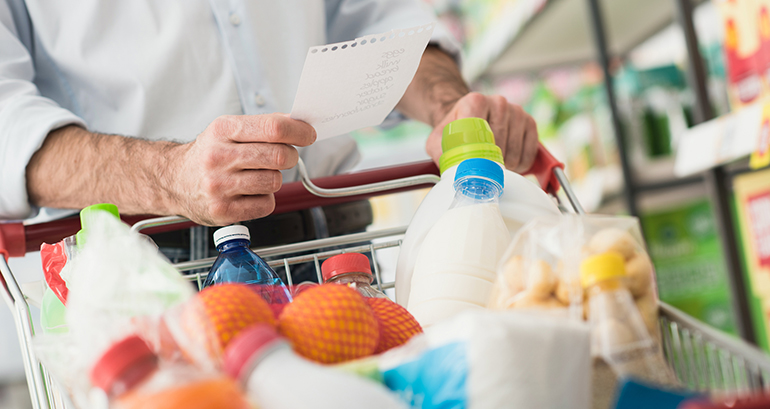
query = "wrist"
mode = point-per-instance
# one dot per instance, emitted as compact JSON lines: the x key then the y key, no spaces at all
{"x":167,"y":175}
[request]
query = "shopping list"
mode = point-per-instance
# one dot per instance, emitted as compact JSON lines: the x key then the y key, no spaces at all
{"x":354,"y":84}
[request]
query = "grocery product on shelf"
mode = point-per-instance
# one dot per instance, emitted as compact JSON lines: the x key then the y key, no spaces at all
{"x":271,"y":373}
{"x":330,"y":324}
{"x":752,"y":205}
{"x":132,"y":377}
{"x":521,"y":199}
{"x":619,"y":333}
{"x":353,"y":270}
{"x":455,"y":266}
{"x":236,"y":263}
{"x":684,"y":246}
{"x":55,"y":258}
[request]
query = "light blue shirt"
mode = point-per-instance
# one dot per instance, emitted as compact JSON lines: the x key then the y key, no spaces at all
{"x":164,"y":69}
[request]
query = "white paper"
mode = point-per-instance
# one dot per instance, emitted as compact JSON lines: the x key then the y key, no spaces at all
{"x":355,"y":84}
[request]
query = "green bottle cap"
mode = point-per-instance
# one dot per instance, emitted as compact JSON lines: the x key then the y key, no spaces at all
{"x":468,"y":138}
{"x":86,"y":216}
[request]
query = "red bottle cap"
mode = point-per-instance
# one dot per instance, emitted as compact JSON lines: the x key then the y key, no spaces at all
{"x":129,"y":361}
{"x":247,"y":346}
{"x":345,"y":263}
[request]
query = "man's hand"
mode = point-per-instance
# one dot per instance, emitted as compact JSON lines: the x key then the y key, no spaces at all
{"x":438,"y":95}
{"x":230,"y":172}
{"x":515,"y":131}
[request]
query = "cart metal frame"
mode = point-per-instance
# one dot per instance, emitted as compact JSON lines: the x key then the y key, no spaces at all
{"x":703,"y":359}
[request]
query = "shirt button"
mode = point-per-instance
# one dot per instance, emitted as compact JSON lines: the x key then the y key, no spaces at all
{"x":259,"y":100}
{"x":235,"y":19}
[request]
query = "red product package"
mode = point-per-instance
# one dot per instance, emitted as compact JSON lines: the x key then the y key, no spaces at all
{"x":54,"y":258}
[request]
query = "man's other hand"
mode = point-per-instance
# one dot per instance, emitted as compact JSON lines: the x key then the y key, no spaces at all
{"x":515,"y":130}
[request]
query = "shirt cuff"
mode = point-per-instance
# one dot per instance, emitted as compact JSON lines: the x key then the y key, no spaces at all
{"x":25,"y":122}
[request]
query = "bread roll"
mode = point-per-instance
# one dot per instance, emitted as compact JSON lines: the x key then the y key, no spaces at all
{"x":613,"y":240}
{"x":567,"y":289}
{"x":639,"y":275}
{"x":648,"y":308}
{"x":541,"y":279}
{"x":534,"y":302}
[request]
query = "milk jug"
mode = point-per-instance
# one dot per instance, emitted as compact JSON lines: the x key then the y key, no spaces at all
{"x":521,"y":201}
{"x":457,"y":263}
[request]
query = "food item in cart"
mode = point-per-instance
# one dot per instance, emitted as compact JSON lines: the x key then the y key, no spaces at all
{"x":236,"y":263}
{"x":397,"y":325}
{"x":490,"y":359}
{"x":639,"y":274}
{"x":613,"y":239}
{"x":55,"y":258}
{"x":270,"y":372}
{"x":353,"y":270}
{"x":330,"y":324}
{"x":520,"y":202}
{"x":619,"y":334}
{"x":133,"y":377}
{"x":226,"y":310}
{"x":456,"y":266}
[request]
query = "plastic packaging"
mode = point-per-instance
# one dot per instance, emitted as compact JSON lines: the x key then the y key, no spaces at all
{"x":619,"y":334}
{"x":55,"y":258}
{"x":353,"y":270}
{"x":456,"y":266}
{"x":132,"y":377}
{"x":488,"y":359}
{"x":521,"y":201}
{"x":270,"y":372}
{"x":236,"y":263}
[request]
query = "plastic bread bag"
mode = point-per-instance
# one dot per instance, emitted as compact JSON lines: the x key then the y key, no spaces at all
{"x":119,"y":285}
{"x":541,"y":268}
{"x":490,"y":359}
{"x":59,"y":355}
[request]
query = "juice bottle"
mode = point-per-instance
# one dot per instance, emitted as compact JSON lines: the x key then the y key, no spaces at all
{"x":353,"y":270}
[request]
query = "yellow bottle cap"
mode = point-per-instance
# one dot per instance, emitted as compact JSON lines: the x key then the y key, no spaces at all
{"x":602,"y":267}
{"x":468,"y":138}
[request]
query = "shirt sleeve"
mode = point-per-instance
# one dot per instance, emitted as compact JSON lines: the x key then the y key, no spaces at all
{"x":26,"y":118}
{"x":350,"y":19}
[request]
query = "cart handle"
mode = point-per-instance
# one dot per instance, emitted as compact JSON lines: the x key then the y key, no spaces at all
{"x":17,"y":239}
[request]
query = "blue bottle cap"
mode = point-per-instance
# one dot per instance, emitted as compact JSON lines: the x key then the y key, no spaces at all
{"x":480,"y":167}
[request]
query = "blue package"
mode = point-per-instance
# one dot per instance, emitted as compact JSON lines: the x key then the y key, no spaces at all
{"x":435,"y":380}
{"x":635,"y":395}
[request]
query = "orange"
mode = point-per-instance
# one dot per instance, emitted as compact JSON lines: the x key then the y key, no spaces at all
{"x":397,"y":325}
{"x":225,"y":310}
{"x":330,"y":323}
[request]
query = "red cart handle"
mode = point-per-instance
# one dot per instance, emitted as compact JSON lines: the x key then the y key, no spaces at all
{"x":16,"y":238}
{"x":543,"y":169}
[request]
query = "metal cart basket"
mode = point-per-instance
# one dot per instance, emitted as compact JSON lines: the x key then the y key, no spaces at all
{"x":703,"y":359}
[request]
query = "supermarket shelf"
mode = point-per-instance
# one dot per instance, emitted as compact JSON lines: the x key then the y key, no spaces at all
{"x":658,"y":174}
{"x":535,"y":34}
{"x":718,"y":141}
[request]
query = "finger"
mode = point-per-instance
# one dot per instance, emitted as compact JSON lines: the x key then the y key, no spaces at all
{"x":253,"y":182}
{"x":499,"y":120}
{"x":261,"y":156}
{"x":515,"y":145}
{"x":274,"y":128}
{"x":472,"y":105}
{"x":531,"y":141}
{"x":243,"y":208}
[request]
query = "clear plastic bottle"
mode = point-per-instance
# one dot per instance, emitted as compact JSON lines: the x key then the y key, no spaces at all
{"x":457,"y":264}
{"x":618,"y":332}
{"x":270,"y":371}
{"x":132,"y":377}
{"x":238,"y":264}
{"x":353,"y":270}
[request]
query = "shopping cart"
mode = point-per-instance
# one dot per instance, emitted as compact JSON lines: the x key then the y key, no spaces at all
{"x":702,"y":358}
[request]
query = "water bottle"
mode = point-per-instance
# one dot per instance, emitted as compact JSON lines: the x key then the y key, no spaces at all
{"x":238,"y":264}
